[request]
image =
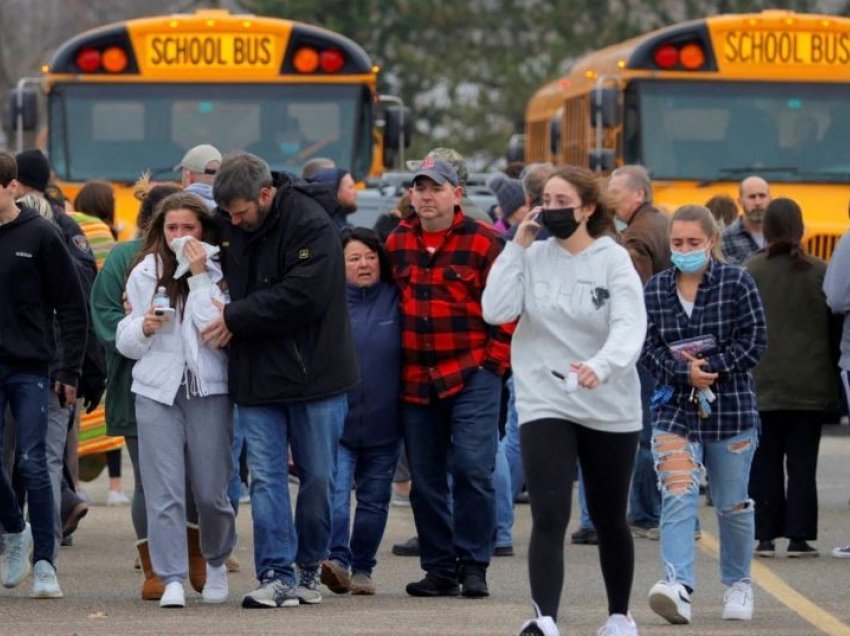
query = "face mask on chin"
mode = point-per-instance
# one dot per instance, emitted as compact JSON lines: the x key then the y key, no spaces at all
{"x":561,"y":222}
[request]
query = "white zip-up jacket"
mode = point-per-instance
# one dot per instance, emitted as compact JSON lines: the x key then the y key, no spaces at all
{"x":164,"y":356}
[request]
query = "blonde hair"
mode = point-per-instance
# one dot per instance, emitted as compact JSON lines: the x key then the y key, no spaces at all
{"x":38,"y":203}
{"x":702,"y":215}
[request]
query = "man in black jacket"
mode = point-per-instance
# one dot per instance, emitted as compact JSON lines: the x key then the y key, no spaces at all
{"x":291,"y":363}
{"x":35,"y":285}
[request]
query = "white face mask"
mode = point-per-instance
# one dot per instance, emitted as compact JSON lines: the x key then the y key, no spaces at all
{"x":620,"y":224}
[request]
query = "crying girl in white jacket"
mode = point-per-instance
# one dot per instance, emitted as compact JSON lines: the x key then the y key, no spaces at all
{"x":184,"y":415}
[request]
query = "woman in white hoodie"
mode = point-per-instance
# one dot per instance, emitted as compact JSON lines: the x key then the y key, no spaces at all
{"x":581,"y":326}
{"x":184,"y":415}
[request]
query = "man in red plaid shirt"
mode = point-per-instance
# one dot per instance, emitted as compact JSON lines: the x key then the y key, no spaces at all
{"x":451,"y":381}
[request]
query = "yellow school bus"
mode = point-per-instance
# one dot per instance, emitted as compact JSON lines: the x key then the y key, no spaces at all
{"x":135,"y":95}
{"x":706,"y":103}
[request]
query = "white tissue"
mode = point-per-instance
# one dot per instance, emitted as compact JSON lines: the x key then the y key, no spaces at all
{"x":177,"y":246}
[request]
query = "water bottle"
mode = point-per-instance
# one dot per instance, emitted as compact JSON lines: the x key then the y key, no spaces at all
{"x":160,"y":299}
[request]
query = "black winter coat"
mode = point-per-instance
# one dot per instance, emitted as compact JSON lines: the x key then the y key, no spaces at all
{"x":288,"y":312}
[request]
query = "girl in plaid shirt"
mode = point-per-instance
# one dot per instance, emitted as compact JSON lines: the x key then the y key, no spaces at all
{"x":706,"y":416}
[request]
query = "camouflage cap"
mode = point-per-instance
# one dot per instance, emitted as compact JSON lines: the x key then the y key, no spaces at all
{"x":449,"y":154}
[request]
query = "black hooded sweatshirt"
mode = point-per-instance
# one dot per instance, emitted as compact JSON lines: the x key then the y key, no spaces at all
{"x":38,"y":278}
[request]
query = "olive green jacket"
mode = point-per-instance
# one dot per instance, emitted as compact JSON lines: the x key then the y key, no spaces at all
{"x":798,"y":372}
{"x":107,"y":310}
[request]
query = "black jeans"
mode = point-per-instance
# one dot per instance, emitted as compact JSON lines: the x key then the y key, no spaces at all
{"x":789,"y":440}
{"x":550,"y":449}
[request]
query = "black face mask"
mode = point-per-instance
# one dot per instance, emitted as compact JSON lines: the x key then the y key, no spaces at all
{"x":561,"y":222}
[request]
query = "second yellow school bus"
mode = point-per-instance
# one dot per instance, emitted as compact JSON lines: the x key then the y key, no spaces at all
{"x":705,"y":103}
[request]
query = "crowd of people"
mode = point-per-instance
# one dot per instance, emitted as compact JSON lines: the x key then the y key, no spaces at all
{"x":579,"y":331}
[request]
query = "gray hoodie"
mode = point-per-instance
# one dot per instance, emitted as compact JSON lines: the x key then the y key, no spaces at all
{"x":836,"y":286}
{"x":586,"y":307}
{"x":203,"y":190}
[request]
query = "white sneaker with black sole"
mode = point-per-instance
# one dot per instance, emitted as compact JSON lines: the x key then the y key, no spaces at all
{"x":671,"y":601}
{"x":738,"y":602}
{"x":271,"y":593}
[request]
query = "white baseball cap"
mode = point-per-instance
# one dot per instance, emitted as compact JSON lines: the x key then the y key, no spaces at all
{"x":197,"y":158}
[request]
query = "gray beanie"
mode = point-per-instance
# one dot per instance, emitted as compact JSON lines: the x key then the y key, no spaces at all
{"x":508,"y":192}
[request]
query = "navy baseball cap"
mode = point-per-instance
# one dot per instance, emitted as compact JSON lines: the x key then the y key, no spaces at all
{"x":438,"y":170}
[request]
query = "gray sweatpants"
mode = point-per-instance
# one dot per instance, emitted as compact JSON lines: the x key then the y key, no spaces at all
{"x":194,"y":435}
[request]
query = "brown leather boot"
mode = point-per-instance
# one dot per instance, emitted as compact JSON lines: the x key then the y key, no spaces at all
{"x":197,"y":565}
{"x":152,"y":588}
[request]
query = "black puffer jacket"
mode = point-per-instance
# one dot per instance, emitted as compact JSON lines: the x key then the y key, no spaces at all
{"x":288,"y":313}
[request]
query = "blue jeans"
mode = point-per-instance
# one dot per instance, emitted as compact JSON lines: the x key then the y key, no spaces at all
{"x":27,"y":397}
{"x":727,"y":463}
{"x":585,"y":523}
{"x":510,"y":443}
{"x":234,"y":486}
{"x":464,"y":427}
{"x":644,"y":496}
{"x":313,"y":430}
{"x":371,"y":469}
{"x":504,"y":500}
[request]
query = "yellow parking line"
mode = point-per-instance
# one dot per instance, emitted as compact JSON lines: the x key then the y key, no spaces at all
{"x":784,"y":593}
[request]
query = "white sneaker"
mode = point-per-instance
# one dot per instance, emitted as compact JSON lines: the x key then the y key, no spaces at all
{"x":17,"y":556}
{"x":44,"y":583}
{"x":173,"y":596}
{"x":540,"y":626}
{"x":841,"y":552}
{"x":619,"y":625}
{"x":671,"y":601}
{"x":215,"y":589}
{"x":117,"y":498}
{"x":738,"y":602}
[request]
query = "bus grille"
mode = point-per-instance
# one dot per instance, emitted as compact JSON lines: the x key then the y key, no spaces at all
{"x":821,"y":245}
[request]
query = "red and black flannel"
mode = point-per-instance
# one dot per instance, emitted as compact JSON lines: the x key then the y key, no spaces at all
{"x":444,"y":337}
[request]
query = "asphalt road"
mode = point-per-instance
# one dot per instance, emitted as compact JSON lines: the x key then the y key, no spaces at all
{"x":793,"y":596}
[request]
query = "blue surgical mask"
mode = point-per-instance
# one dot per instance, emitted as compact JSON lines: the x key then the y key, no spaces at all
{"x":689,"y":262}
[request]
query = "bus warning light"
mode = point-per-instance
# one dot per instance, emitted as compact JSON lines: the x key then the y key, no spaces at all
{"x":306,"y":60}
{"x":331,"y":60}
{"x":666,"y":56}
{"x":692,"y":56}
{"x":88,"y":60}
{"x":114,"y":59}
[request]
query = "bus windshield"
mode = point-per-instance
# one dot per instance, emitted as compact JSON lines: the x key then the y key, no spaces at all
{"x":725,"y":130}
{"x":117,"y":131}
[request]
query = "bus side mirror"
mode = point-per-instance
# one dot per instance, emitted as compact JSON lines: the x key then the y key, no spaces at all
{"x":398,"y":126}
{"x":603,"y":108}
{"x":21,"y":104}
{"x":516,"y":149}
{"x":601,"y":159}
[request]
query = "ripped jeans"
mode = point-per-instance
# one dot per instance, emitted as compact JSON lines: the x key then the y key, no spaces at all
{"x":678,"y":463}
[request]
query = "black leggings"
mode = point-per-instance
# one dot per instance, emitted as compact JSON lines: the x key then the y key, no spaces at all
{"x":550,"y":449}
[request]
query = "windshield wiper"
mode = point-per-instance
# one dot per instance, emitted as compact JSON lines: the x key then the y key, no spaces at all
{"x":733,"y":170}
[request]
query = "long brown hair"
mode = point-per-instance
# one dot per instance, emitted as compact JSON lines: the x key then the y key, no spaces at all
{"x":166,"y":259}
{"x":783,"y":231}
{"x":589,"y":190}
{"x":97,"y":199}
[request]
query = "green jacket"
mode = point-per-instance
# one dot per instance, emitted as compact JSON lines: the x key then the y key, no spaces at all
{"x":107,"y":310}
{"x":797,"y":372}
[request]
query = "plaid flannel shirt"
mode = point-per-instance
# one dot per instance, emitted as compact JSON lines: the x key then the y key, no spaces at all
{"x":738,"y":244}
{"x":444,"y":337}
{"x":727,"y":306}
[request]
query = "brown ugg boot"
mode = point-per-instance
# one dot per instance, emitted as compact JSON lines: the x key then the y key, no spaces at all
{"x":197,"y":565}
{"x":152,"y":588}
